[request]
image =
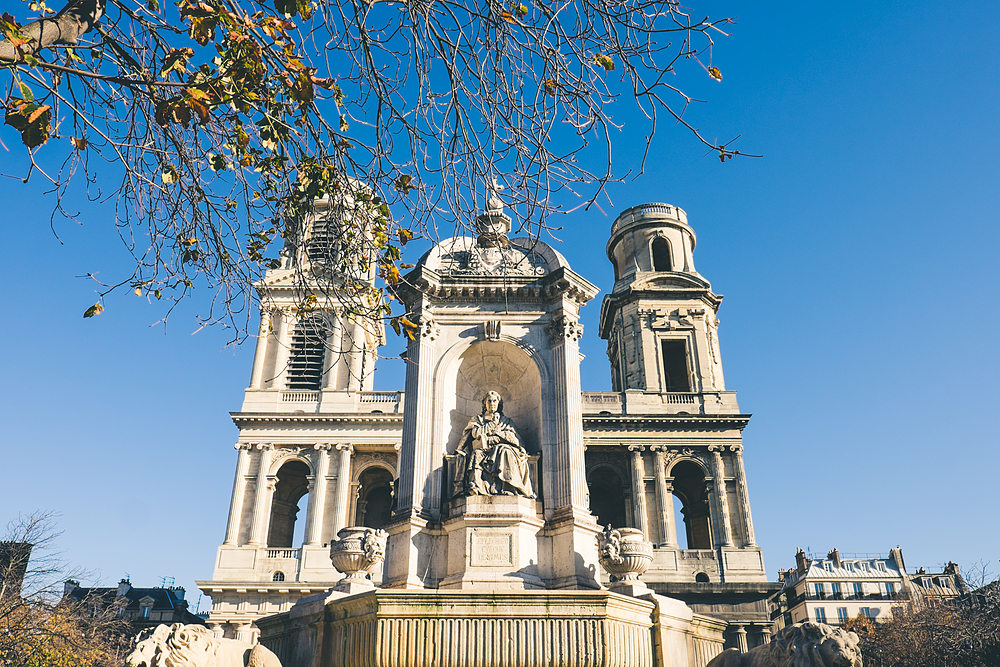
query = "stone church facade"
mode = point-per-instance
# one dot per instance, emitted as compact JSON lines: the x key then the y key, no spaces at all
{"x":496,"y":314}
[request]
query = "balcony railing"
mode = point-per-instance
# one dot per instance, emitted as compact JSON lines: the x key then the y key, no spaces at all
{"x":282,"y":553}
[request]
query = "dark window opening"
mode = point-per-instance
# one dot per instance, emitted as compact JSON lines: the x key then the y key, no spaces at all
{"x":305,"y":360}
{"x":675,"y":367}
{"x":375,"y":498}
{"x":661,"y":255}
{"x":292,"y":486}
{"x":701,"y":578}
{"x":278,"y":576}
{"x":607,"y":497}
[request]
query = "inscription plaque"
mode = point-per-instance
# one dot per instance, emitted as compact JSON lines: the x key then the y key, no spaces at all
{"x":491,"y":549}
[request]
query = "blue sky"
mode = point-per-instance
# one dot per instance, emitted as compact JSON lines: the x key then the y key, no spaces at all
{"x":859,"y":326}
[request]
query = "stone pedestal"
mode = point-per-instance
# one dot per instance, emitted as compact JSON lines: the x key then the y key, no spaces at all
{"x":493,"y":543}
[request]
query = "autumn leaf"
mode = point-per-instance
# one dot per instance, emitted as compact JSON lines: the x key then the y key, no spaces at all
{"x":176,"y":61}
{"x":32,"y":120}
{"x":715,"y":73}
{"x":521,"y":11}
{"x":405,"y":236}
{"x":96,"y":309}
{"x":79,"y":143}
{"x":551,"y":86}
{"x":404,"y":183}
{"x":217,"y":162}
{"x":169,"y":174}
{"x":604,"y":61}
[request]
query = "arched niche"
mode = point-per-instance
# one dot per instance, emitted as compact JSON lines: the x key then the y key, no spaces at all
{"x":505,"y":368}
{"x":290,"y":487}
{"x":374,"y":504}
{"x":689,"y":486}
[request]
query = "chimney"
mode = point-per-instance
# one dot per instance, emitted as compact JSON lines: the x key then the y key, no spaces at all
{"x":897,"y":557}
{"x":69,"y":586}
{"x":124,"y":586}
{"x":801,"y":562}
{"x":835,"y":557}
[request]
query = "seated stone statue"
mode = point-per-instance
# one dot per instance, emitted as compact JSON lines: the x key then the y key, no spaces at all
{"x":490,"y":459}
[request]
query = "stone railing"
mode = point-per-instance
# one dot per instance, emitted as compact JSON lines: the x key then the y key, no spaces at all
{"x":282,"y":553}
{"x":700,"y":554}
{"x":299,"y":396}
{"x":380,"y":396}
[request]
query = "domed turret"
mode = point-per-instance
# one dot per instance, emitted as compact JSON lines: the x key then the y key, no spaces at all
{"x":651,"y":238}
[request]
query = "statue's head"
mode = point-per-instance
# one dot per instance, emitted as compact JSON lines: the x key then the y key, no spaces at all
{"x":492,"y":403}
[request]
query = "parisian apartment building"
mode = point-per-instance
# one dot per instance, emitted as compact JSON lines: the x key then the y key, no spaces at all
{"x":838,"y":587}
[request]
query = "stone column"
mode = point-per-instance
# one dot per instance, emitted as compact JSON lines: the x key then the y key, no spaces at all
{"x":216,"y":627}
{"x":416,"y":460}
{"x":342,"y":499}
{"x":317,"y":495}
{"x":283,"y":340}
{"x":665,"y":499}
{"x":244,"y":633}
{"x":765,"y":634}
{"x":357,"y":356}
{"x":741,"y":490}
{"x":331,"y":362}
{"x":239,"y":490}
{"x":260,"y":495}
{"x":639,"y":490}
{"x":721,"y":499}
{"x":570,"y":487}
{"x":741,"y":638}
{"x":260,"y":353}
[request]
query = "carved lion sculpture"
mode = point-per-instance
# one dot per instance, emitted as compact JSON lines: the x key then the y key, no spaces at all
{"x":799,"y":645}
{"x":180,"y":645}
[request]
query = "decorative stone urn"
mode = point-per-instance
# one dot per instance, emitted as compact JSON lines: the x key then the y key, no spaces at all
{"x":624,"y":554}
{"x":356,"y":553}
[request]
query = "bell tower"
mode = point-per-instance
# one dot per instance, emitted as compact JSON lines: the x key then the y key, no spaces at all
{"x":660,"y":319}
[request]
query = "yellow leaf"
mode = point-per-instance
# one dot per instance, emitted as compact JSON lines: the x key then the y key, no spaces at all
{"x":96,"y":309}
{"x":138,"y":291}
{"x":715,"y":73}
{"x":508,"y":17}
{"x":79,"y":143}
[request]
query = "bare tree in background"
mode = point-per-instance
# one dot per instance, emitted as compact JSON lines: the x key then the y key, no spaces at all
{"x":38,"y":626}
{"x":956,"y":632}
{"x":219,"y":122}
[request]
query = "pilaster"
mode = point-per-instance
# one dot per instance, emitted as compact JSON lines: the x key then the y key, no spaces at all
{"x":239,"y":491}
{"x":342,"y":500}
{"x":664,"y":499}
{"x":261,"y":493}
{"x":317,"y":494}
{"x":639,"y":490}
{"x":721,"y":496}
{"x":743,"y":494}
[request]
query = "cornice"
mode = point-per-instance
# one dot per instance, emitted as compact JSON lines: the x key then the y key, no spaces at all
{"x":388,"y":418}
{"x":648,"y":422}
{"x":458,"y":287}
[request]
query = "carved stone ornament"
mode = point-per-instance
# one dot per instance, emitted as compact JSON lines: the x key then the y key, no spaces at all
{"x":624,"y":553}
{"x":491,"y":459}
{"x":429,"y":329}
{"x":491,"y":328}
{"x":356,"y":552}
{"x":563,"y":328}
{"x":492,"y":261}
{"x":812,"y":644}
{"x":195,"y":646}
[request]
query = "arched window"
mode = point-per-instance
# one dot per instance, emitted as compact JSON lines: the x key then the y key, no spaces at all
{"x":701,"y":578}
{"x":291,"y":487}
{"x":689,"y":488}
{"x":607,"y":497}
{"x":374,"y":498}
{"x":661,"y":255}
{"x":305,"y":360}
{"x":278,"y":576}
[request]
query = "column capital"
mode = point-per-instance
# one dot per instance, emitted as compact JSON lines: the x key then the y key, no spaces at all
{"x":243,"y":446}
{"x":272,"y":482}
{"x":659,"y":448}
{"x":717,"y":448}
{"x":323,"y":446}
{"x":346,"y":447}
{"x":265,"y":446}
{"x":636,"y":448}
{"x":736,"y":448}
